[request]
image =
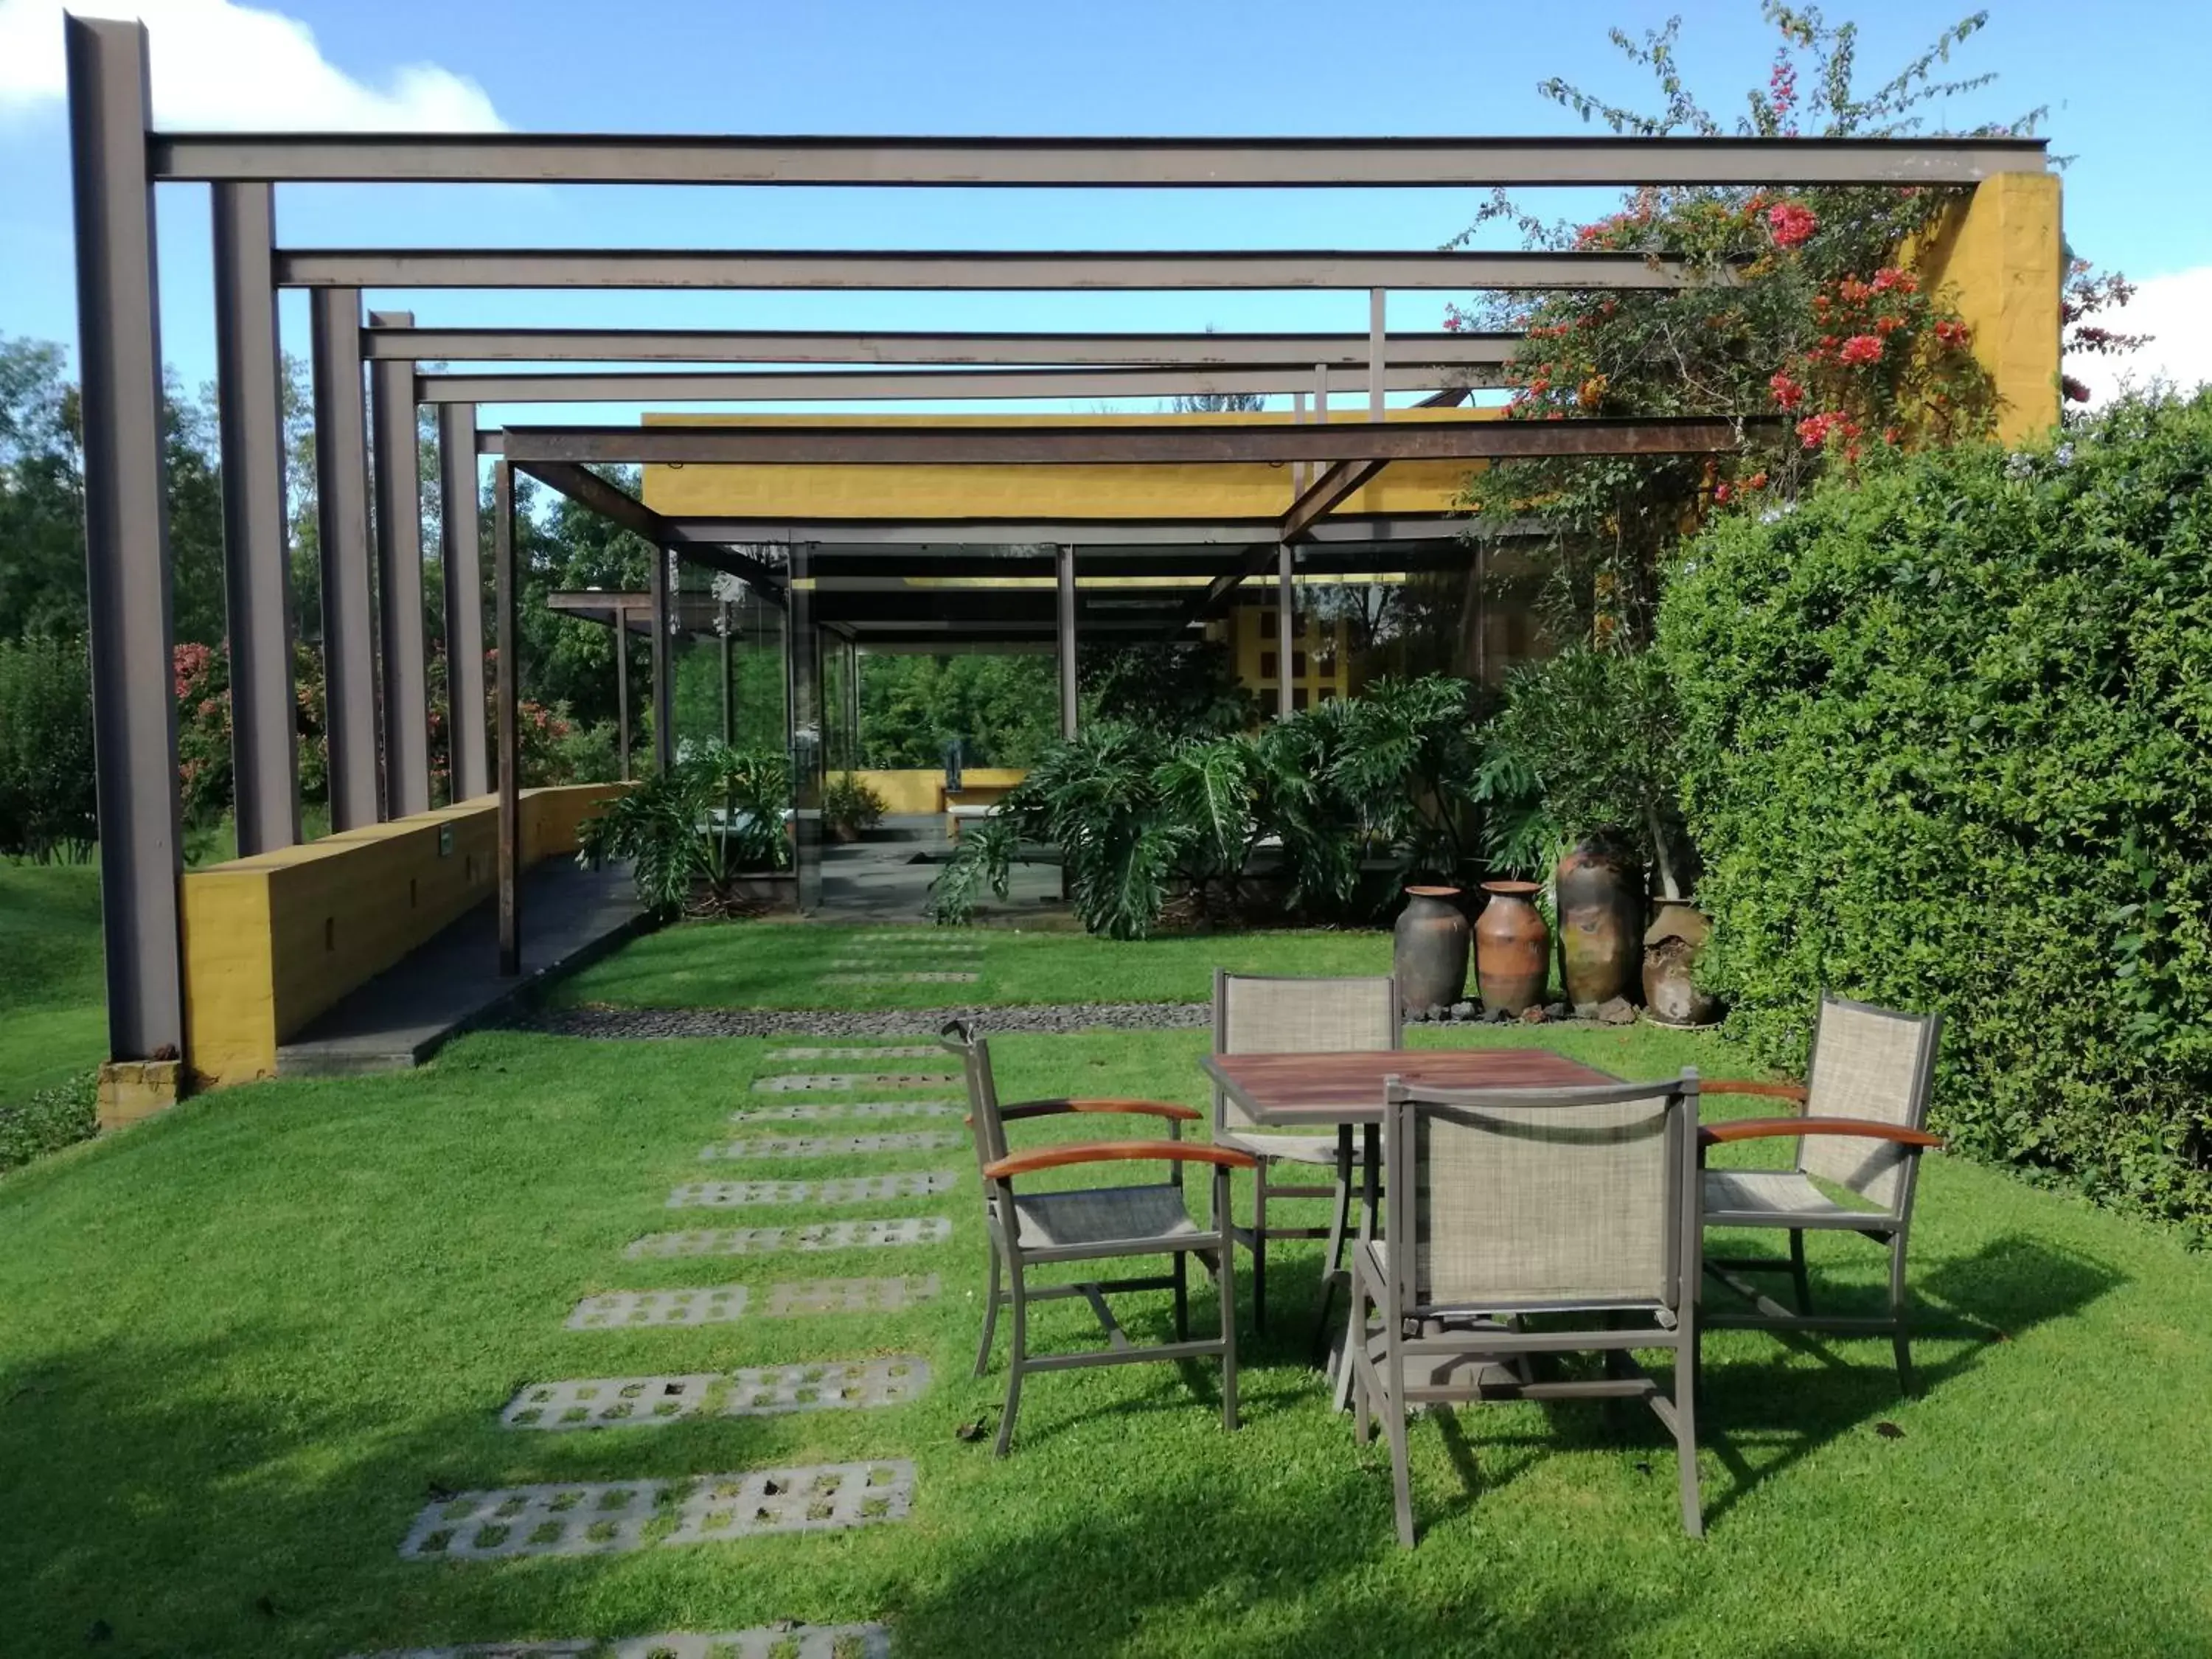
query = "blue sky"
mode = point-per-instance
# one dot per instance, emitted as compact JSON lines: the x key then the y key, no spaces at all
{"x":2122,"y":80}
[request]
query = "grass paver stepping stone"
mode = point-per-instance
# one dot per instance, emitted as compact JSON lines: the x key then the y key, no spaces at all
{"x":938,"y":977}
{"x":851,"y":1189}
{"x":605,"y":1402}
{"x":768,"y":1642}
{"x":911,"y":1051}
{"x":821,"y":1295}
{"x":822,"y":1236}
{"x":711,"y":1304}
{"x":832,"y":1110}
{"x":609,"y":1518}
{"x":924,"y":1140}
{"x":801,"y":1083}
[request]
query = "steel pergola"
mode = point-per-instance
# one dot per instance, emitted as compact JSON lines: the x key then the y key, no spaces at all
{"x":379,"y":770}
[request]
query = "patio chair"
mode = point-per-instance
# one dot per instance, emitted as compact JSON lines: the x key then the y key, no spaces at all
{"x":1256,"y":1013}
{"x":1029,"y":1229}
{"x":1510,"y":1210}
{"x":1865,"y":1102}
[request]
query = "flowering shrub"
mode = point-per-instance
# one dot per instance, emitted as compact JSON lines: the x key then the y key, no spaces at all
{"x":1797,"y":307}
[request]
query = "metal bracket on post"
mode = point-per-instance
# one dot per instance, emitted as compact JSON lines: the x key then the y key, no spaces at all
{"x":510,"y":723}
{"x":126,"y":538}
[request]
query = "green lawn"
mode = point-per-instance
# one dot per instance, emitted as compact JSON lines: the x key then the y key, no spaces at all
{"x":241,"y":1347}
{"x":779,"y":965}
{"x":53,"y":1021}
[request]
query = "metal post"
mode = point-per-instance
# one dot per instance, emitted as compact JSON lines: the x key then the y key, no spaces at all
{"x":399,"y":579}
{"x":1376,"y":298}
{"x":805,"y":637}
{"x":126,"y":537}
{"x":257,"y":576}
{"x":1065,"y":569}
{"x":342,"y":534}
{"x":510,"y":724}
{"x":1298,"y":468}
{"x":729,"y":691}
{"x":664,"y":739}
{"x":458,"y":551}
{"x":1285,"y":626}
{"x":621,"y":686}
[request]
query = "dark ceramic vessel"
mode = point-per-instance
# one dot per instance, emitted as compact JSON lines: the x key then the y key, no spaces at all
{"x":1429,"y":948}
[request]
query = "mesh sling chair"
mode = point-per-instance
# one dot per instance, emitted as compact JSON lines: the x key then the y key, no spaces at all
{"x":1255,"y":1013}
{"x":1523,"y":1221}
{"x":1034,"y":1230}
{"x":1865,"y":1101}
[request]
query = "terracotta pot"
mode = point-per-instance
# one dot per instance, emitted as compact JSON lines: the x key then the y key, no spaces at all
{"x":1512,"y":948}
{"x":1429,"y":948}
{"x":1600,"y":893}
{"x":1671,"y":947}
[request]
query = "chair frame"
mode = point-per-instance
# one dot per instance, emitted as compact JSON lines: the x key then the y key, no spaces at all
{"x":1413,"y":1329}
{"x":1891,"y":1227}
{"x":1340,"y":1192}
{"x":1010,"y":1260}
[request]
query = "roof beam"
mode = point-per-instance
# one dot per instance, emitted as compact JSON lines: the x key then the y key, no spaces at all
{"x":1127,"y":444}
{"x":1298,"y":163}
{"x":1025,"y":535}
{"x":670,"y":345}
{"x":589,"y":490}
{"x":849,"y":385}
{"x":934,"y":270}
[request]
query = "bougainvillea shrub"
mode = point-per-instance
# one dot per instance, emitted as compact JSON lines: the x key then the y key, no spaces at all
{"x":1946,"y":726}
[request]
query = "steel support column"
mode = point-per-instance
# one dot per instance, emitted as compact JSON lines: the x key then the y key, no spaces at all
{"x":399,"y":580}
{"x":507,"y":710}
{"x":342,"y":535}
{"x":126,"y":537}
{"x":802,"y":638}
{"x":257,"y":553}
{"x":664,"y":739}
{"x":458,"y":537}
{"x":1065,"y":569}
{"x":729,"y":691}
{"x":1377,"y":368}
{"x":1286,"y":625}
{"x":622,"y":687}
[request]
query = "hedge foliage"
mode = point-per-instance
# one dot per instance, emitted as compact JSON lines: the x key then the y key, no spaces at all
{"x":50,"y":1120}
{"x":1948,"y":744}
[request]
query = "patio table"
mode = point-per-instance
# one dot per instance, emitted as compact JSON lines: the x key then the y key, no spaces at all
{"x":1344,"y":1090}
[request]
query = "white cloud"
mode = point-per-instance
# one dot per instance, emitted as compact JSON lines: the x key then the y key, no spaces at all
{"x":2176,"y":311}
{"x":219,"y":66}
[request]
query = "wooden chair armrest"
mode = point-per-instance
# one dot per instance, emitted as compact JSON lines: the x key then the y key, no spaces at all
{"x":1108,"y":1151}
{"x":1731,"y":1086}
{"x":1764,"y":1128}
{"x":1134,"y":1108}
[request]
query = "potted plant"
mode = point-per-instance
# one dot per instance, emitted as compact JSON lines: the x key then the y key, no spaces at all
{"x":848,"y":807}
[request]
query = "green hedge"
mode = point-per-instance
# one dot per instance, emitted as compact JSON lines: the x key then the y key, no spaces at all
{"x":1949,"y":745}
{"x":50,"y":1120}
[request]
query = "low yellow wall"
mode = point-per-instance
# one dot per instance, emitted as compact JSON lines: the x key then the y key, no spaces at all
{"x":2002,"y":257}
{"x":269,"y":942}
{"x":921,"y":790}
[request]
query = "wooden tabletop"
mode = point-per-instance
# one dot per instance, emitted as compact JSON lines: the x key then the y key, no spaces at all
{"x":1319,"y":1090}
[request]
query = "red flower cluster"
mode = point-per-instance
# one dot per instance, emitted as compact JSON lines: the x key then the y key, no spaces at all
{"x":1791,"y":224}
{"x":1953,"y":334}
{"x":1860,"y":349}
{"x":1787,"y":393}
{"x":1815,"y":430}
{"x":1889,"y":276}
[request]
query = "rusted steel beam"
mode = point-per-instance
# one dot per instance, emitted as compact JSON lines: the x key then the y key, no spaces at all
{"x":588,"y":489}
{"x":844,"y":385}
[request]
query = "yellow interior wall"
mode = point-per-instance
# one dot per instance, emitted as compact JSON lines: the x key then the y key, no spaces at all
{"x":1217,"y":491}
{"x":2001,"y":255}
{"x":1325,"y":648}
{"x":920,"y":789}
{"x":271,"y":942}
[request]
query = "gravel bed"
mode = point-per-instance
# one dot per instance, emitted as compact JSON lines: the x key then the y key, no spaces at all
{"x":648,"y":1023}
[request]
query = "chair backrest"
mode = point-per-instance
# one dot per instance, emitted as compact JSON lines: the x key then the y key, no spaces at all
{"x":1501,"y":1199}
{"x":1264,"y":1014}
{"x":985,"y":1128}
{"x":1873,"y":1063}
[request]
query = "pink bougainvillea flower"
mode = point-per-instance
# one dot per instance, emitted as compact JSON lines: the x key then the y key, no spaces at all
{"x":1791,"y":224}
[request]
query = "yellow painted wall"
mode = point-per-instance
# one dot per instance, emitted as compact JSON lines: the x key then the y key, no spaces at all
{"x":269,"y":942}
{"x":1321,"y":660}
{"x":2001,"y":255}
{"x":1210,"y":491}
{"x":918,"y":789}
